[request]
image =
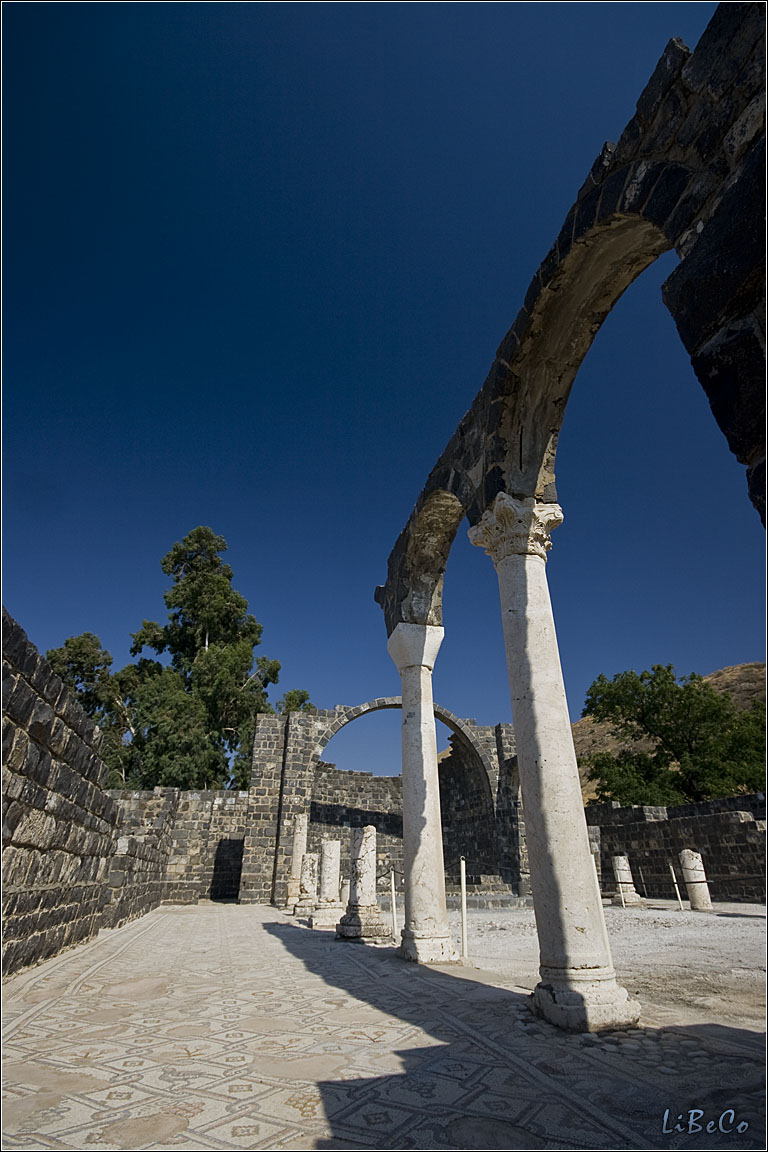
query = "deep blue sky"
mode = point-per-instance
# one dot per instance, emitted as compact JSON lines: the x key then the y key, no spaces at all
{"x":258,"y":259}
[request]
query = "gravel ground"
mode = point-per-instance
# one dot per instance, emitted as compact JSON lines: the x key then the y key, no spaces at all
{"x":707,"y":967}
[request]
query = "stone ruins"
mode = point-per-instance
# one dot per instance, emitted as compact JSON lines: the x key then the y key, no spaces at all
{"x":687,"y":173}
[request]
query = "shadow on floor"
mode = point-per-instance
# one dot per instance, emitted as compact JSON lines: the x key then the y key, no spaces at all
{"x":493,"y":1076}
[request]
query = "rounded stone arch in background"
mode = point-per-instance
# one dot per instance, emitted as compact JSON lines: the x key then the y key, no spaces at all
{"x":461,"y":729}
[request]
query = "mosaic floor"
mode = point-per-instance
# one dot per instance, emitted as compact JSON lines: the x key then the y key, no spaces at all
{"x":229,"y":1027}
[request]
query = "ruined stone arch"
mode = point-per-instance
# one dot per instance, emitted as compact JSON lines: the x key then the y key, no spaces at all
{"x":461,"y":729}
{"x":686,"y":173}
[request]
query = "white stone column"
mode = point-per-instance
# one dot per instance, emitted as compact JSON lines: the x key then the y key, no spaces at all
{"x":329,"y":908}
{"x":627,"y":893}
{"x":578,"y":989}
{"x":299,"y":847}
{"x":426,"y":936}
{"x":362,"y":920}
{"x":307,"y":885}
{"x":695,"y":881}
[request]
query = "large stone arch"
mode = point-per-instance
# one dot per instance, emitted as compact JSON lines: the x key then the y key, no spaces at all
{"x":463,"y":730}
{"x":686,"y":173}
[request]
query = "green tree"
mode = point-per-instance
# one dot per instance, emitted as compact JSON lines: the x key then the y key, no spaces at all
{"x":84,"y":666}
{"x":210,"y":637}
{"x":694,"y":744}
{"x":295,"y":700}
{"x":189,"y":719}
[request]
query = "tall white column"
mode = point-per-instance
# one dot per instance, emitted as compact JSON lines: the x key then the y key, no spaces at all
{"x":578,"y":989}
{"x":299,"y":847}
{"x":425,"y":937}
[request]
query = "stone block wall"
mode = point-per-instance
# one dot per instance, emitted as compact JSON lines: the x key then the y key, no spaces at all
{"x":59,"y":826}
{"x":137,"y":872}
{"x":729,"y":833}
{"x":345,"y":800}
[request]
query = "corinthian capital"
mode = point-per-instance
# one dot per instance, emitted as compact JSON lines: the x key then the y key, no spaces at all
{"x":513,"y":527}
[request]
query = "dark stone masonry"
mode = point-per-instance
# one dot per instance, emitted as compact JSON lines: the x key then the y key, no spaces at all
{"x":77,"y":859}
{"x":729,"y":833}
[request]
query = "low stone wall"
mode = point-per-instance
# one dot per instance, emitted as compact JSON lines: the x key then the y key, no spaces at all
{"x":59,"y":827}
{"x":729,"y":833}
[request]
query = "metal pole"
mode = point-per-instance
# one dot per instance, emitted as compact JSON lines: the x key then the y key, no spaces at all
{"x":677,"y":890}
{"x":621,"y":894}
{"x":463,"y":867}
{"x":394,"y":904}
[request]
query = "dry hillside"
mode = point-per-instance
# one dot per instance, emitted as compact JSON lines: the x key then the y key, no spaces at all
{"x":744,"y":682}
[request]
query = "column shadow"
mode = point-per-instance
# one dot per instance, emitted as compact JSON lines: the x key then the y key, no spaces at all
{"x":489,"y":1074}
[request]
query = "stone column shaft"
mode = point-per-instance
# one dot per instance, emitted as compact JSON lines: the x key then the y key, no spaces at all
{"x":362,"y":920}
{"x":695,"y":881}
{"x":307,"y":885}
{"x":426,"y":936}
{"x":578,"y":989}
{"x":627,"y":893}
{"x":329,"y":908}
{"x":298,"y":848}
{"x":330,"y":862}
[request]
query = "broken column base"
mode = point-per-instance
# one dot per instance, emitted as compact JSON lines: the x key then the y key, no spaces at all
{"x":631,"y":900}
{"x":363,"y":922}
{"x":589,"y":1005}
{"x":326,"y":915}
{"x":292,"y":896}
{"x":304,"y":908}
{"x":427,"y":949}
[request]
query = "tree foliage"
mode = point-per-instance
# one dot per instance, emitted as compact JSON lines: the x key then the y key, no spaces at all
{"x":188,"y":719}
{"x":683,"y":741}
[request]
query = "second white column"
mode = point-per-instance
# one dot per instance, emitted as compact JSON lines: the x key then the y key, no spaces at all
{"x":425,"y":937}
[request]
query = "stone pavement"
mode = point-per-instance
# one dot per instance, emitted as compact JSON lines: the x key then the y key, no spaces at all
{"x":229,"y":1027}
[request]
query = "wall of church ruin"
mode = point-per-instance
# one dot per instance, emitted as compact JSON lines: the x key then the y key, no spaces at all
{"x":59,"y":826}
{"x":345,"y":800}
{"x":729,"y":833}
{"x":77,"y":858}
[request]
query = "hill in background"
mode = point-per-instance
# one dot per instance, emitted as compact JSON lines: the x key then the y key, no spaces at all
{"x":745,"y":683}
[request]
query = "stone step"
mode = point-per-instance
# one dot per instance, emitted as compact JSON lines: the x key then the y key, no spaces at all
{"x":478,"y":900}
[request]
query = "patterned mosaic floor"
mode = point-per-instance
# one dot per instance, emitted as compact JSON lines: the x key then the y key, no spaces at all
{"x":228,"y":1027}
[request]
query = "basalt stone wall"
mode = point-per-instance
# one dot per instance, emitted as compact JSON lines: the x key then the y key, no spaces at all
{"x":137,"y":870}
{"x":469,"y":826}
{"x":345,"y":800}
{"x":729,"y":833}
{"x":59,"y":826}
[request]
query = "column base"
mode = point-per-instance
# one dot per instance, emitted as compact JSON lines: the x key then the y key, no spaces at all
{"x":585,"y":1005}
{"x":364,"y":922}
{"x":631,"y":900}
{"x":326,"y":915}
{"x":427,"y":949}
{"x":304,"y":908}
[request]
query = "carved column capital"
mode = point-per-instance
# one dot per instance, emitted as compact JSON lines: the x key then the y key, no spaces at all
{"x":513,"y":527}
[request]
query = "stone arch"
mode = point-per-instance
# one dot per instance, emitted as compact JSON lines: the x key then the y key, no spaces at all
{"x":462,"y":730}
{"x":469,"y":782}
{"x":686,"y":173}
